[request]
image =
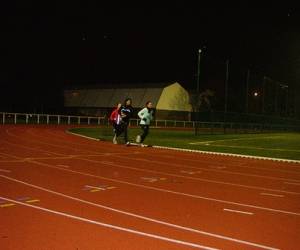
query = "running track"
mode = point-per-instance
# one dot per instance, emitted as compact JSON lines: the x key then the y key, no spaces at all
{"x":60,"y":191}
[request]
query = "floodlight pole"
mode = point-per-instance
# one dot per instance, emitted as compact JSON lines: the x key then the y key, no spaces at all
{"x":263,"y":94}
{"x":247,"y":90}
{"x":287,"y":101}
{"x":226,"y":86}
{"x":198,"y":70}
{"x":286,"y":88}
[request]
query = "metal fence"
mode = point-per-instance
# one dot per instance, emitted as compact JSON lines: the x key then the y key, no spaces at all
{"x":29,"y":118}
{"x":198,"y":127}
{"x":241,"y":128}
{"x":22,"y":118}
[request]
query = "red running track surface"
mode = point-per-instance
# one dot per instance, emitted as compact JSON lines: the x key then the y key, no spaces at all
{"x":60,"y":191}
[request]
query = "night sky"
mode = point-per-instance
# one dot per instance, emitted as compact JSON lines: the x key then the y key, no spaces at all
{"x":47,"y":48}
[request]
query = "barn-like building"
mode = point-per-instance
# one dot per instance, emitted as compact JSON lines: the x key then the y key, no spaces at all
{"x":171,"y":100}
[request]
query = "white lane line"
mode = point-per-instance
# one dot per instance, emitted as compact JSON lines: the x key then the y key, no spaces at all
{"x":34,"y":149}
{"x":83,"y":136}
{"x":237,"y":211}
{"x":149,"y":179}
{"x":185,"y":176}
{"x":105,"y":162}
{"x":293,"y":183}
{"x":274,"y":195}
{"x":5,"y":170}
{"x":213,"y":167}
{"x":11,"y":161}
{"x":64,"y":166}
{"x":124,"y":229}
{"x":11,"y":156}
{"x":169,"y":191}
{"x":143,"y":217}
{"x":100,"y":188}
{"x":72,"y":147}
{"x":190,"y":172}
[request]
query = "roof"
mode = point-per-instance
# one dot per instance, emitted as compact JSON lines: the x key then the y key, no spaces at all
{"x":109,"y":97}
{"x":119,"y":86}
{"x":170,"y":96}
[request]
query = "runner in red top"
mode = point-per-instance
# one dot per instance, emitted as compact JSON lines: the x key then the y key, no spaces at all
{"x":115,"y":120}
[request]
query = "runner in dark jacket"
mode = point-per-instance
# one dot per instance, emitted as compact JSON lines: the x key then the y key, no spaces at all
{"x":126,"y":112}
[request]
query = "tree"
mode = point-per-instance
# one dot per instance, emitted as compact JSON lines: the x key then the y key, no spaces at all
{"x":202,"y":101}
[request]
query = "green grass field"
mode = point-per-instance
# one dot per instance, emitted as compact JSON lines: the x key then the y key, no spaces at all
{"x":276,"y":145}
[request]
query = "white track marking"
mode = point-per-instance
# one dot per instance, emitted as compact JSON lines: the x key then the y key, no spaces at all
{"x":77,"y":144}
{"x":187,"y":177}
{"x":205,"y":152}
{"x":195,"y":196}
{"x":169,"y":156}
{"x":64,"y":166}
{"x":100,"y":188}
{"x":190,"y":159}
{"x":45,"y":143}
{"x":140,"y":216}
{"x":11,"y":156}
{"x":274,"y":195}
{"x":34,"y":149}
{"x":209,"y":152}
{"x":106,"y":162}
{"x":64,"y":156}
{"x":83,"y":136}
{"x":124,"y":229}
{"x":210,"y":169}
{"x":5,"y":170}
{"x":169,"y":191}
{"x":293,"y":183}
{"x":11,"y":161}
{"x":56,"y":145}
{"x":237,"y":211}
{"x":149,"y":179}
{"x":190,"y":172}
{"x":217,"y":167}
{"x":242,"y":165}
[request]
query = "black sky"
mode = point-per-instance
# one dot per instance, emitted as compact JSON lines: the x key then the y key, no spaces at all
{"x":45,"y":48}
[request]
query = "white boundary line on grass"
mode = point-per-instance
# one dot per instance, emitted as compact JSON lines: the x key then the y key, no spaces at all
{"x":205,"y":152}
{"x":228,"y":154}
{"x":235,"y":139}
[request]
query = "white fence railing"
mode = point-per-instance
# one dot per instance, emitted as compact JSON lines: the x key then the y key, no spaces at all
{"x":29,"y":118}
{"x":25,"y":118}
{"x":211,"y":127}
